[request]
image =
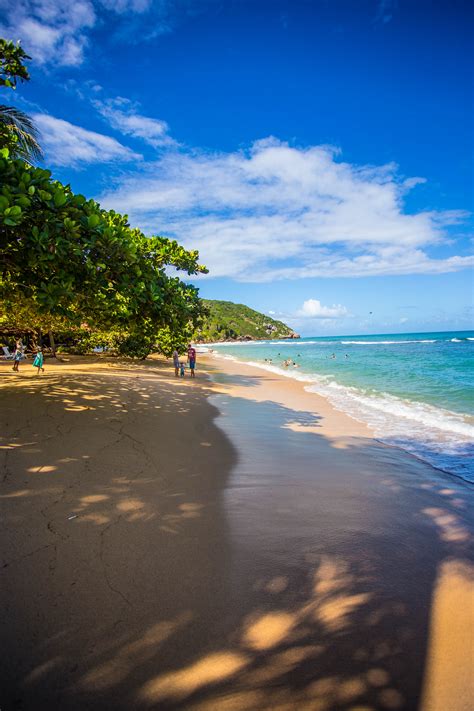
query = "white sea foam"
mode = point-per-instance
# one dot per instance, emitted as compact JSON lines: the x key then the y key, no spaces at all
{"x":382,"y":343}
{"x":292,"y":342}
{"x":439,"y":436}
{"x":296,"y":342}
{"x":455,"y":340}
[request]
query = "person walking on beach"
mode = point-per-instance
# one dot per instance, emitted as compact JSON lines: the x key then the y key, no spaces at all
{"x":38,"y":361}
{"x":191,"y":359}
{"x":18,"y":355}
{"x":176,"y":362}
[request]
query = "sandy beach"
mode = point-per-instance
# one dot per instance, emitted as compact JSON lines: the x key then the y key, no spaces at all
{"x":229,"y":543}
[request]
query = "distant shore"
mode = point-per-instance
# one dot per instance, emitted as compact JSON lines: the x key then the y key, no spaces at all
{"x":231,"y":542}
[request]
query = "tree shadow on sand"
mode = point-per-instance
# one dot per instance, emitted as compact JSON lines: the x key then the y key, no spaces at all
{"x":148,"y":569}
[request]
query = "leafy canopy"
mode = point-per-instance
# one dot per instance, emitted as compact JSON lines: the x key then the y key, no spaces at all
{"x":17,"y":131}
{"x":70,"y":259}
{"x":11,"y":64}
{"x":69,"y":265}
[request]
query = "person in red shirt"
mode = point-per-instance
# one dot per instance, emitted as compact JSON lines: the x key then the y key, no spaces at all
{"x":191,"y":359}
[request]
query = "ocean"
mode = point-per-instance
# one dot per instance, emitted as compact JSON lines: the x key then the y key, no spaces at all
{"x":414,"y":390}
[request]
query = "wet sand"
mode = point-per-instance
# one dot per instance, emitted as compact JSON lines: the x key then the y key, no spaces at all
{"x":225,"y":544}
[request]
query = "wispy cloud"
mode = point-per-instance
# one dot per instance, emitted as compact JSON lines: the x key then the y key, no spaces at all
{"x":313,"y":308}
{"x":281,"y":212}
{"x":58,"y":33}
{"x":385,"y":10}
{"x":123,"y":116}
{"x":123,"y":6}
{"x":50,"y":31}
{"x":68,"y":145}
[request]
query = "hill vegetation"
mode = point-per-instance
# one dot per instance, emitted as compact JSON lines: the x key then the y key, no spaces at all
{"x":228,"y":321}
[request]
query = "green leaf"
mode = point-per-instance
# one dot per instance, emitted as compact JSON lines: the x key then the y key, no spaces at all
{"x":60,"y":198}
{"x":93,"y":221}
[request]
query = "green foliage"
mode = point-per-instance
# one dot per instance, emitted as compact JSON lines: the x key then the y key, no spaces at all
{"x":228,"y":321}
{"x":71,"y":260}
{"x":11,"y":64}
{"x":18,"y":133}
{"x":167,"y":339}
{"x":80,"y":341}
{"x":136,"y":346}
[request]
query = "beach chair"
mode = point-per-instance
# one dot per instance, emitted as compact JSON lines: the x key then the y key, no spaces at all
{"x":6,"y":353}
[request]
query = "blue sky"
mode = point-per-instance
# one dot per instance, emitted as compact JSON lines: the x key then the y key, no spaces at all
{"x":318,"y":154}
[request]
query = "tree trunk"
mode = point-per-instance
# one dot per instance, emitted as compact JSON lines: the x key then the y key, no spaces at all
{"x":52,"y":344}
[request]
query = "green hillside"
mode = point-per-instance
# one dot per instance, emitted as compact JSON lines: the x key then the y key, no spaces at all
{"x":228,"y":321}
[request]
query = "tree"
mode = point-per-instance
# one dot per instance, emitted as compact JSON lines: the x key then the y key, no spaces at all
{"x":11,"y":64}
{"x":17,"y":131}
{"x":19,"y":134}
{"x":72,"y":260}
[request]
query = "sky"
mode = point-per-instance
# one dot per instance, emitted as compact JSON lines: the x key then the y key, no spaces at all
{"x":318,"y":154}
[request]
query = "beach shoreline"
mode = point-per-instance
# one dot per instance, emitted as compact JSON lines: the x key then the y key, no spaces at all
{"x":392,"y":386}
{"x":318,"y":402}
{"x":232,"y":542}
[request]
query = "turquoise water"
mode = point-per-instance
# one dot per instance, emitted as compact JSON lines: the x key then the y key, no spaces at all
{"x":414,"y":390}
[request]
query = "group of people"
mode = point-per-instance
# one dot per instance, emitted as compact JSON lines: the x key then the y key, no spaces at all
{"x":179,"y":365}
{"x":19,"y":354}
{"x":286,"y":363}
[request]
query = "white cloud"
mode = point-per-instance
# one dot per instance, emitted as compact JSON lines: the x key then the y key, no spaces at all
{"x":122,"y":6}
{"x":50,"y":31}
{"x":57,"y":33}
{"x":404,"y":319}
{"x":121,"y":115}
{"x":67,"y":144}
{"x":281,"y":212}
{"x":313,"y":308}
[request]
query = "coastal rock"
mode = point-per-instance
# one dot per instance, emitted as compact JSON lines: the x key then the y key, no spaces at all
{"x":291,"y":335}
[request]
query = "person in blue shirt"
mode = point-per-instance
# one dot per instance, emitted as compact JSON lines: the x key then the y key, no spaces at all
{"x":38,"y":361}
